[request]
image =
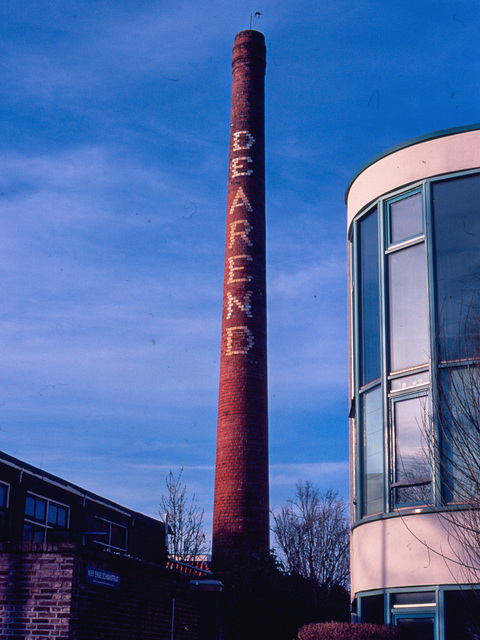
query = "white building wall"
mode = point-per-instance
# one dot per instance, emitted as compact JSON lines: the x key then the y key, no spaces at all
{"x":407,"y":551}
{"x":457,"y":152}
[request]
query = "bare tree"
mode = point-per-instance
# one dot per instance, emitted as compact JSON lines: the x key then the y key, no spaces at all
{"x":312,"y":533}
{"x":453,"y":435}
{"x":451,"y":429}
{"x":187,"y":539}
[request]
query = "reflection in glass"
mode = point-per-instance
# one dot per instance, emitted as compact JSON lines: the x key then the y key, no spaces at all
{"x":415,"y":598}
{"x":412,"y":466}
{"x":409,"y":343}
{"x":456,"y":220}
{"x":369,"y":299}
{"x":405,"y":218}
{"x":457,"y":418}
{"x":410,"y":382}
{"x":373,"y":451}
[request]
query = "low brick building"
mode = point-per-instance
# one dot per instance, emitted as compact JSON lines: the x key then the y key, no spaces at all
{"x":76,"y":565}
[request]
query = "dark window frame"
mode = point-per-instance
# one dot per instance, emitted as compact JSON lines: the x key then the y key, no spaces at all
{"x":35,"y":525}
{"x":108,"y":545}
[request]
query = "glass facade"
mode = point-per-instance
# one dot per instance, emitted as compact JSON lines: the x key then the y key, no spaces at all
{"x":416,"y":315}
{"x":449,"y":612}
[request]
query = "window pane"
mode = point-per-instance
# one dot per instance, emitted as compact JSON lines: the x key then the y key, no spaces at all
{"x":456,"y":220}
{"x":40,"y":509}
{"x":373,"y":609}
{"x":411,"y":458}
{"x":27,"y":533}
{"x":456,"y":419}
{"x":373,"y":451}
{"x":30,"y":507}
{"x":418,"y":628}
{"x":462,"y":614}
{"x":409,"y":342}
{"x":405,"y":218}
{"x":38,"y":534}
{"x":3,"y":526}
{"x":369,"y":311}
{"x":415,"y":598}
{"x":61,"y":517}
{"x":119,"y":537}
{"x":410,"y":382}
{"x":52,"y":514}
{"x":32,"y":533}
{"x":3,"y":496}
{"x":102,"y":525}
{"x":103,"y":529}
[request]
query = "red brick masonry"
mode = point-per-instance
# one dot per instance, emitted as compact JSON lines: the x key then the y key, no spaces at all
{"x":241,"y":510}
{"x":44,"y":595}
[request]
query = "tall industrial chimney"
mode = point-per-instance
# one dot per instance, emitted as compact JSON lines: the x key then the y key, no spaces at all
{"x":241,"y":505}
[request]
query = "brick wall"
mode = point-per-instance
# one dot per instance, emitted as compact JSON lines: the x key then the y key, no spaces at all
{"x":142,"y":606}
{"x":35,"y":591}
{"x":44,"y":595}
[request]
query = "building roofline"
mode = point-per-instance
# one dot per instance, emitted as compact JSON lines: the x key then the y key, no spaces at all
{"x":442,"y":133}
{"x":68,"y":486}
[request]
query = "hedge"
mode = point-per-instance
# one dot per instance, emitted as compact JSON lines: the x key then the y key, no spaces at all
{"x":348,"y":631}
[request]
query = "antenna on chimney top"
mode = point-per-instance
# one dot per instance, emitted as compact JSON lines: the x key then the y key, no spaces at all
{"x":257,"y":13}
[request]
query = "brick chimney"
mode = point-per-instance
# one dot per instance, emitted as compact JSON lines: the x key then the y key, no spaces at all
{"x":241,"y":505}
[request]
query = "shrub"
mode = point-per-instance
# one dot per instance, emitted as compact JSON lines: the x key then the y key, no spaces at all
{"x":348,"y":631}
{"x":262,"y":602}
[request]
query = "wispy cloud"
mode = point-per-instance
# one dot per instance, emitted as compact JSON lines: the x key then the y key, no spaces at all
{"x":112,"y":215}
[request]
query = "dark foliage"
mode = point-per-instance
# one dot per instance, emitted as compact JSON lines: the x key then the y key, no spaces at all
{"x":261,"y":601}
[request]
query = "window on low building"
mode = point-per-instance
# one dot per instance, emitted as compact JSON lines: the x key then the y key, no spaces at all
{"x":44,"y":519}
{"x":4,"y":496}
{"x":110,"y":535}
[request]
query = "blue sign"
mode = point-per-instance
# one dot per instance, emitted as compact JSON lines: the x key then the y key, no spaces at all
{"x":103,"y":578}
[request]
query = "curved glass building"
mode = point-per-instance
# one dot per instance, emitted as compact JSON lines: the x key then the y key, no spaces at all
{"x":414,"y":243}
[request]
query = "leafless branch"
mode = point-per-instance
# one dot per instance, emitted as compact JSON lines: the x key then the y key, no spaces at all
{"x":184,"y":517}
{"x":312,"y":534}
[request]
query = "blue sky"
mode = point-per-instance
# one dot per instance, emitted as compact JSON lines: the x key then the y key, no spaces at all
{"x":114,"y":150}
